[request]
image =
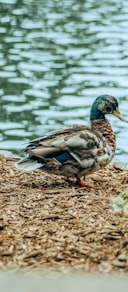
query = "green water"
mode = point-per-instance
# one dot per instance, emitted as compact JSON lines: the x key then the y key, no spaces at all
{"x":56,"y":57}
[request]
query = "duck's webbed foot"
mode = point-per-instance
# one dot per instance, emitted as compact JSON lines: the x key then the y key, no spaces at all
{"x":84,"y":183}
{"x":81,"y":182}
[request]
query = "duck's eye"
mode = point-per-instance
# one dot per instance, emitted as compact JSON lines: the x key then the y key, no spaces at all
{"x":108,"y":108}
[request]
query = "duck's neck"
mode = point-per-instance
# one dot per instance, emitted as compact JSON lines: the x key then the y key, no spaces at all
{"x":103,"y":126}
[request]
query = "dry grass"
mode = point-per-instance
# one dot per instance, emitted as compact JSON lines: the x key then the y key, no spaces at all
{"x":47,"y":223}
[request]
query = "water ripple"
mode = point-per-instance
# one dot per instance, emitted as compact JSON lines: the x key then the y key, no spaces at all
{"x":55,"y":58}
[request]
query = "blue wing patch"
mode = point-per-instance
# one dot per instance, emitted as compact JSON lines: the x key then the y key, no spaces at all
{"x":64,"y":157}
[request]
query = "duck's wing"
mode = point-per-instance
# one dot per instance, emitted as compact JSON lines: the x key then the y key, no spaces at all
{"x":76,"y":144}
{"x":67,"y":139}
{"x":57,"y":135}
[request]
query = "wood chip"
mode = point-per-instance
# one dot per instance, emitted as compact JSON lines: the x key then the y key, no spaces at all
{"x":49,"y":224}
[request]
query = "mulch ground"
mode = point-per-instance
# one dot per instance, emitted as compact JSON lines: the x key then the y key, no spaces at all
{"x":45,"y":223}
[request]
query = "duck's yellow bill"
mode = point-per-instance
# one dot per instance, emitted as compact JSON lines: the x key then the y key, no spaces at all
{"x":119,"y":116}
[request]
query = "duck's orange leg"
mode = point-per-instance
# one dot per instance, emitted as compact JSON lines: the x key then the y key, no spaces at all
{"x":84,"y":183}
{"x":81,"y":182}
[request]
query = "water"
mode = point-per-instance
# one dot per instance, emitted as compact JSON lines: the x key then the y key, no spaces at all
{"x":56,"y":57}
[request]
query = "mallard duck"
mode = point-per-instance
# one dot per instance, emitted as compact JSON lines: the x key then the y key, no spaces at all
{"x":76,"y":151}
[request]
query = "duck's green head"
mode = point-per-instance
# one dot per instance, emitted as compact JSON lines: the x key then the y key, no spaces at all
{"x":105,"y":104}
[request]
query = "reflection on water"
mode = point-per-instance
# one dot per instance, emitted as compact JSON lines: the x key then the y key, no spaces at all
{"x":55,"y":58}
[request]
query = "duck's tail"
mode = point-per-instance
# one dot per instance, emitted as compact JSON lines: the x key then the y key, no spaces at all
{"x":28,"y":164}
